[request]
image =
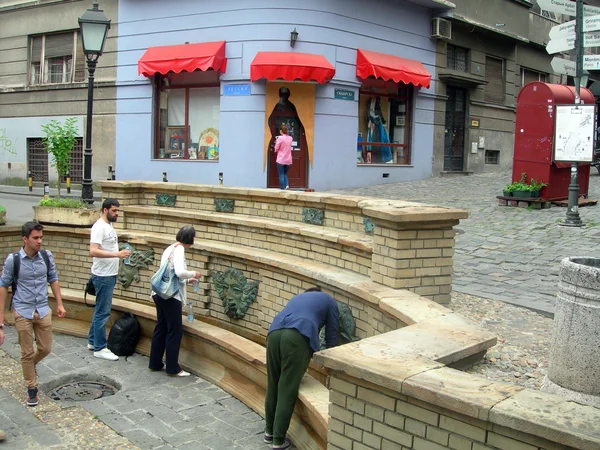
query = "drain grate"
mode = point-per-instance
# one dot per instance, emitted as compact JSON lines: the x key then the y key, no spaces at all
{"x":82,"y":390}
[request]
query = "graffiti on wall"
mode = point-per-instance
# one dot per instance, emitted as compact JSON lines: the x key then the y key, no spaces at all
{"x":6,"y":144}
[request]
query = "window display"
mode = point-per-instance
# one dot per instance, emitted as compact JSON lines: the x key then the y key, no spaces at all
{"x":384,"y":121}
{"x":188,"y":117}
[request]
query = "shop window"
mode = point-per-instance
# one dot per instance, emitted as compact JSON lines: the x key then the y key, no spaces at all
{"x":384,"y":123}
{"x":494,"y":75}
{"x":56,"y":59}
{"x":492,"y":156}
{"x":188,"y":106}
{"x":456,"y":58}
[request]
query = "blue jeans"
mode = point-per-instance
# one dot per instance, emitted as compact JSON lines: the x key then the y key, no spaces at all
{"x":104,"y":291}
{"x":282,"y":170}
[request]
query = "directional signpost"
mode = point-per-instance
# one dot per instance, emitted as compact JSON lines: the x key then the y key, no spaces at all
{"x":565,"y":37}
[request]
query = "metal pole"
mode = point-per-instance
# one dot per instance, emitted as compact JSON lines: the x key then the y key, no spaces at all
{"x":572,"y":219}
{"x":87,"y":189}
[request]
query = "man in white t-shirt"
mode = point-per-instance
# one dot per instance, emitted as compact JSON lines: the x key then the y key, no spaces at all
{"x":104,"y":250}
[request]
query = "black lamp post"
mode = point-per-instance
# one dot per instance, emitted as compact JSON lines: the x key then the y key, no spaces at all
{"x":94,"y":26}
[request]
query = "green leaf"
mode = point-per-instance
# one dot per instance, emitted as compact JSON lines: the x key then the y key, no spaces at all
{"x":64,"y":203}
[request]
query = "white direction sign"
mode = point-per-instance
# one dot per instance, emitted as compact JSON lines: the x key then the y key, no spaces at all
{"x":565,"y":29}
{"x":566,"y":43}
{"x":563,"y":66}
{"x":565,"y":7}
{"x":566,"y":67}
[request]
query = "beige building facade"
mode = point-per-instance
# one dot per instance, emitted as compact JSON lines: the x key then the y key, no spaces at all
{"x":43,"y":77}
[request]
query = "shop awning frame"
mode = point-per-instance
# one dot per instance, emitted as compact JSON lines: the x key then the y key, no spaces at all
{"x":391,"y":68}
{"x":183,"y":58}
{"x":291,"y":66}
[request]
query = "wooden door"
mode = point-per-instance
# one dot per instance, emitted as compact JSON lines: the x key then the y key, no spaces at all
{"x":298,"y":173}
{"x":454,"y":145}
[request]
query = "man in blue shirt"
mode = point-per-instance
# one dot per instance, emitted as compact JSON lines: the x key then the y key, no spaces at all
{"x":30,"y":302}
{"x":293,"y":338}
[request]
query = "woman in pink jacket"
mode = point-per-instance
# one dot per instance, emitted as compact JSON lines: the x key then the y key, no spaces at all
{"x":283,"y":148}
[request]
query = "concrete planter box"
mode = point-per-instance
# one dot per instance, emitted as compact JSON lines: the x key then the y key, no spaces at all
{"x":66,"y":216}
{"x":3,"y":217}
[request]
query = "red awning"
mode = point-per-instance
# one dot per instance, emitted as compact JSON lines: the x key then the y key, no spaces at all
{"x":390,"y":67}
{"x":183,"y":58}
{"x":291,"y":66}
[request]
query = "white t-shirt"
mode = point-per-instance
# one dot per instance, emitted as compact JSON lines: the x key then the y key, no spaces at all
{"x":104,"y":234}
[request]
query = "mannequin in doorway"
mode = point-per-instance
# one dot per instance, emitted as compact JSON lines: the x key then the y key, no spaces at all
{"x":376,"y":131}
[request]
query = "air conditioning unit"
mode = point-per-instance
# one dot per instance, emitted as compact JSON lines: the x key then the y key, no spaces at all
{"x":441,"y":28}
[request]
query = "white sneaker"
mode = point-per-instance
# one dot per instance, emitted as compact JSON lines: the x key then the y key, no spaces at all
{"x":90,"y":347}
{"x":105,"y":353}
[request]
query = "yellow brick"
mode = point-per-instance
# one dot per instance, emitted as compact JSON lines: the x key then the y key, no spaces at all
{"x":463,"y":429}
{"x":506,"y":443}
{"x":392,"y":434}
{"x":418,"y":413}
{"x":422,"y":444}
{"x":339,"y":441}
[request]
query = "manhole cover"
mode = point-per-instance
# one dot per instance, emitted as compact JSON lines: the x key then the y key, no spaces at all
{"x":82,"y":391}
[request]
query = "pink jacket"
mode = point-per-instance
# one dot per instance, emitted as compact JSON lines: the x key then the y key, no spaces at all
{"x":283,"y":148}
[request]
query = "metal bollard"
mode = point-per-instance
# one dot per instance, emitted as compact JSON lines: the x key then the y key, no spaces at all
{"x":68,"y":183}
{"x":165,"y":177}
{"x":221,"y":178}
{"x":29,"y":180}
{"x":46,"y":191}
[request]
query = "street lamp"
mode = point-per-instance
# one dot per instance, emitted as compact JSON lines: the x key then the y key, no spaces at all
{"x":94,"y":26}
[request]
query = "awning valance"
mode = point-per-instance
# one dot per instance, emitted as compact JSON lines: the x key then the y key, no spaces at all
{"x":183,"y":58}
{"x":291,"y":66}
{"x":391,"y":68}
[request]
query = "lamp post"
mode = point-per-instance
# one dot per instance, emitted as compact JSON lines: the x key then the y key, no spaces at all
{"x":94,"y":26}
{"x":573,"y":219}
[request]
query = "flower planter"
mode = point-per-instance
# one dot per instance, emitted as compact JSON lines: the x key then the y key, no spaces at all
{"x":66,"y":216}
{"x":507,"y":193}
{"x":522,"y":194}
{"x":535,"y":194}
{"x":2,"y":217}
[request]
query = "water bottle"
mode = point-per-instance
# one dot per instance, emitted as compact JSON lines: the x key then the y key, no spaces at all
{"x":195,"y":286}
{"x":190,"y":312}
{"x":128,"y":259}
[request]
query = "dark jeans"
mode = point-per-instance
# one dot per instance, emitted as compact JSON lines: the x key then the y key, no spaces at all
{"x":104,"y":291}
{"x":282,"y":170}
{"x":288,"y":356}
{"x":167,"y":335}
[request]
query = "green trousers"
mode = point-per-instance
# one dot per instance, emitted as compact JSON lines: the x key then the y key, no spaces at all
{"x":288,"y":356}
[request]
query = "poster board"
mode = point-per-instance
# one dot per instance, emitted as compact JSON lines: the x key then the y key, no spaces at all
{"x":574,"y":131}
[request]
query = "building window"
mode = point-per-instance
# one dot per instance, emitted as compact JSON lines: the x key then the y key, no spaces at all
{"x":188,"y":106}
{"x":492,"y":156}
{"x":384,"y":123}
{"x":528,"y":76}
{"x":456,"y":58}
{"x":37,"y":159}
{"x":56,"y":59}
{"x":494,"y":75}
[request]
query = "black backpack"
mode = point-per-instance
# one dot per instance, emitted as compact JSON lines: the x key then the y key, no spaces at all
{"x":124,"y":335}
{"x":17,"y":267}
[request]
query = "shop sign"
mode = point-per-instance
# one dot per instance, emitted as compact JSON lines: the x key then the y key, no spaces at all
{"x":236,"y":90}
{"x":344,"y":94}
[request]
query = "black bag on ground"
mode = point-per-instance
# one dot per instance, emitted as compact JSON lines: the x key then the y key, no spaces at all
{"x":124,"y":335}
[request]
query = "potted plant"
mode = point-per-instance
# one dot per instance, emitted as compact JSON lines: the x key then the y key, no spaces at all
{"x":2,"y":215}
{"x":59,"y":141}
{"x":508,"y":190}
{"x":535,"y":187}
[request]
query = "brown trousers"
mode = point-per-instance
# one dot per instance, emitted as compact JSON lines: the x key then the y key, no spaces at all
{"x":43,"y":339}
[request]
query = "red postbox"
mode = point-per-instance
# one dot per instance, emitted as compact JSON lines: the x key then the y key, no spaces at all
{"x":534,"y":137}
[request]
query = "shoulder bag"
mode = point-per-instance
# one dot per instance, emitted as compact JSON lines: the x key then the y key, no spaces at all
{"x":165,"y":282}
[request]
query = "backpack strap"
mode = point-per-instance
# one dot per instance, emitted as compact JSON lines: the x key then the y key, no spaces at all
{"x":46,"y":259}
{"x":16,"y":267}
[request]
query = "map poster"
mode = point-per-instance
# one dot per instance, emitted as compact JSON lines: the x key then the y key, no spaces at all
{"x":574,"y":131}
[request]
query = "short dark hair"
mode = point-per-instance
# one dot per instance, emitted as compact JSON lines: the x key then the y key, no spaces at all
{"x":109,"y":203}
{"x":28,"y":227}
{"x":313,"y":289}
{"x":186,"y":235}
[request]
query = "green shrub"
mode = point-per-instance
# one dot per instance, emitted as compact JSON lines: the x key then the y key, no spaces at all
{"x":64,"y":203}
{"x":2,"y":208}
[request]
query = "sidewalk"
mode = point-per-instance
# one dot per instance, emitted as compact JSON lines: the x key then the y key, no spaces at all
{"x":39,"y":191}
{"x":150,"y":411}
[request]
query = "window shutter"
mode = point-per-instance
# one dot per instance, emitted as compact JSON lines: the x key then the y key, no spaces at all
{"x":529,"y":76}
{"x":494,"y":75}
{"x":36,"y":49}
{"x":58,"y":45}
{"x":79,"y":60}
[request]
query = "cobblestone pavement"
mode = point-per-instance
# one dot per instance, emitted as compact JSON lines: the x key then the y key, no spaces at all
{"x":151,"y":410}
{"x":503,"y":253}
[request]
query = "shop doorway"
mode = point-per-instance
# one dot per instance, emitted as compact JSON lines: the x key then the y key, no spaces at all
{"x":454,"y":141}
{"x":285,"y":113}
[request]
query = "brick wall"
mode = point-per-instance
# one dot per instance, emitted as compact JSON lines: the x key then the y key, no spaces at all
{"x":366,"y":416}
